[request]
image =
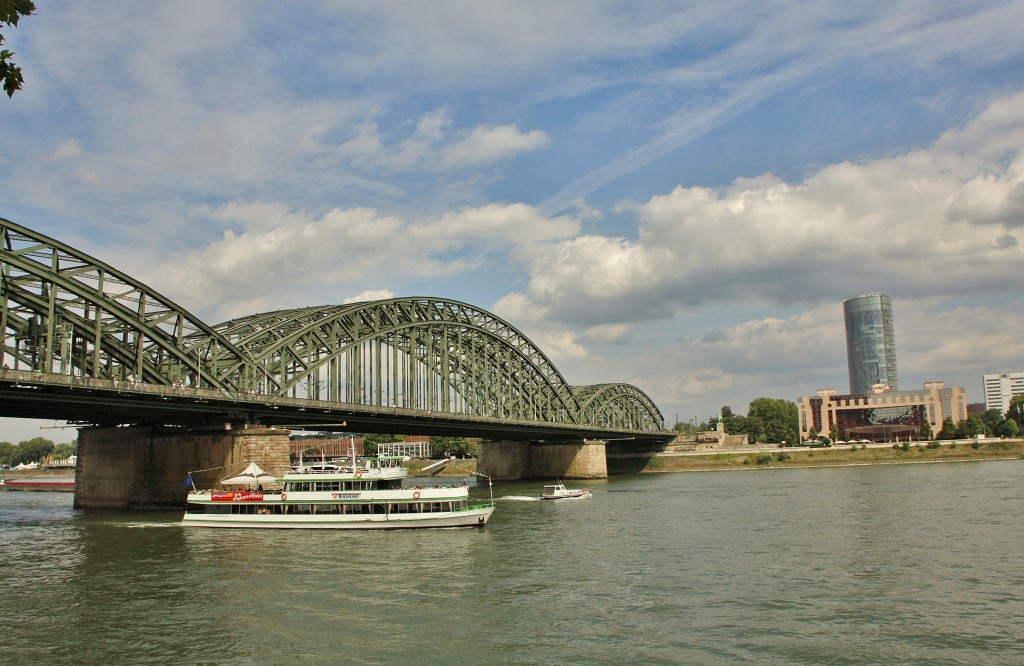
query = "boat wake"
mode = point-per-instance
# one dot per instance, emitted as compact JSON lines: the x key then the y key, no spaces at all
{"x":517,"y":498}
{"x":138,"y":525}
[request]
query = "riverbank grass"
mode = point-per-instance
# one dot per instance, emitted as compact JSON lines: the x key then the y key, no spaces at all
{"x":904,"y":452}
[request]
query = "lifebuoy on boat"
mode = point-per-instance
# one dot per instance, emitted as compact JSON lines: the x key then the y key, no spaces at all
{"x":283,"y":497}
{"x":359,"y":473}
{"x":416,"y":495}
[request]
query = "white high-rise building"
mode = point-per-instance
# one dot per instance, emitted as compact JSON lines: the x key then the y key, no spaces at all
{"x":1000,"y":389}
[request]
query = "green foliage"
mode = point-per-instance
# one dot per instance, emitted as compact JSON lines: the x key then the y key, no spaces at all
{"x":372,"y":439}
{"x":992,"y":420}
{"x":773,"y":420}
{"x":932,"y":445}
{"x":741,"y":425}
{"x":375,"y":438}
{"x":1008,"y":428}
{"x":905,"y":446}
{"x":6,"y":448}
{"x":655,"y":464}
{"x":782,"y":457}
{"x":11,"y":12}
{"x":32,"y":450}
{"x":460,"y":447}
{"x":759,"y":459}
{"x":972,"y":427}
{"x":768,"y":420}
{"x":948,"y":429}
{"x":926,"y":429}
{"x":690,"y":429}
{"x":61,"y":451}
{"x":1015,"y":412}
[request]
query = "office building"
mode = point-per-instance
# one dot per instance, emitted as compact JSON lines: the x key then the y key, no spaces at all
{"x":870,"y":343}
{"x":881,"y":416}
{"x":1000,"y":389}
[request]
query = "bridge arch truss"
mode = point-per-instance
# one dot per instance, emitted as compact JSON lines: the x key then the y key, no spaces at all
{"x":63,"y":311}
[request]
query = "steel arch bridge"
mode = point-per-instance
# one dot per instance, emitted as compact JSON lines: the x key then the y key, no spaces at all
{"x":66,"y":313}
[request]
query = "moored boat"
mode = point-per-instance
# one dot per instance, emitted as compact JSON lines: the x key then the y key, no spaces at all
{"x":358,"y":494}
{"x":557,"y":491}
{"x":59,"y":483}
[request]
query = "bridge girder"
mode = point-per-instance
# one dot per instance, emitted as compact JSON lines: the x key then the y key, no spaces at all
{"x":63,"y":311}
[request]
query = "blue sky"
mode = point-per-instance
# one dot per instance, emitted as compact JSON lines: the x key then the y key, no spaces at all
{"x":675,"y":195}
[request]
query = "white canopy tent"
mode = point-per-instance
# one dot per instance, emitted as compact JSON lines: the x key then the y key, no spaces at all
{"x":248,"y":476}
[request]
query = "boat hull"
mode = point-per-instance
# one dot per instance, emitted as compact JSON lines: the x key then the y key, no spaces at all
{"x":60,"y":484}
{"x":476,"y":517}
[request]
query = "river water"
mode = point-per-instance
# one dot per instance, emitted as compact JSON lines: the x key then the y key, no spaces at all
{"x":907,"y":564}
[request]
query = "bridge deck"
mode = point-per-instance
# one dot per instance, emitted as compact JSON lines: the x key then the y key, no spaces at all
{"x":89,"y":401}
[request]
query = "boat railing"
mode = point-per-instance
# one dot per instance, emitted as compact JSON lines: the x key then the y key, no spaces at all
{"x":317,"y":469}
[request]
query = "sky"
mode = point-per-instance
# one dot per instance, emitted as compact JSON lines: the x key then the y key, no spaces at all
{"x":673,"y":195}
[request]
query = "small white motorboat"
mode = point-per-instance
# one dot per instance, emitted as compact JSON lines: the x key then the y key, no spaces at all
{"x":557,"y":491}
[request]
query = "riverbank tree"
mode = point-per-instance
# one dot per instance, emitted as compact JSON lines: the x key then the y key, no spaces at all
{"x":31,"y":450}
{"x":768,"y":420}
{"x":460,"y":447}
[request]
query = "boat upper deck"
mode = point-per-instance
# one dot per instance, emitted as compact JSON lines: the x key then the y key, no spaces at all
{"x":384,"y":467}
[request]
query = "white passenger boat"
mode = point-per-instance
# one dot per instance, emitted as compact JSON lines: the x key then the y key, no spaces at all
{"x":364,"y":494}
{"x":558,"y":491}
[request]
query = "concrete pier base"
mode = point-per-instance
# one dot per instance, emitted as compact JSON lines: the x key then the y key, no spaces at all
{"x":511,"y":461}
{"x":146,"y":467}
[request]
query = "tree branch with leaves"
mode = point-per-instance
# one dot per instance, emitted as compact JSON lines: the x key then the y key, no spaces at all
{"x":11,"y":12}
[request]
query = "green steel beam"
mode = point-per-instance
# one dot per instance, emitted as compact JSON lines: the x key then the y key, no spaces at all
{"x":63,"y":311}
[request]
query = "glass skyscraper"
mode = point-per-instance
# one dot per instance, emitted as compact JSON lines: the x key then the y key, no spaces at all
{"x":870,"y":343}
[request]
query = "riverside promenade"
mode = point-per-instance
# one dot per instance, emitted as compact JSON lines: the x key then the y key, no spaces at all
{"x":772,"y":456}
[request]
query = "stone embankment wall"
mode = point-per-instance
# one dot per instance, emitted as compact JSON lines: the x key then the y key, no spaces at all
{"x":712,"y":440}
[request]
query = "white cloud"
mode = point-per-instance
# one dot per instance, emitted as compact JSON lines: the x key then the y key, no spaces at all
{"x":244,"y":160}
{"x":561,"y":346}
{"x":940,"y":220}
{"x":610,"y":332}
{"x":70,"y":148}
{"x":371,"y":295}
{"x":435,"y":145}
{"x":515,"y":224}
{"x":959,"y":343}
{"x":291,"y":257}
{"x":490,"y":144}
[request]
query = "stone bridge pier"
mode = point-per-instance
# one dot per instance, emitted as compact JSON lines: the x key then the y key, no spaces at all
{"x":145,"y":467}
{"x":511,"y":461}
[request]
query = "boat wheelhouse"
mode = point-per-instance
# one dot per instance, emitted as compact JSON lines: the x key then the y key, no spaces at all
{"x":558,"y":491}
{"x":356,"y":494}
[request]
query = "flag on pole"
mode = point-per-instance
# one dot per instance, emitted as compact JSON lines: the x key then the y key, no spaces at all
{"x":188,"y":480}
